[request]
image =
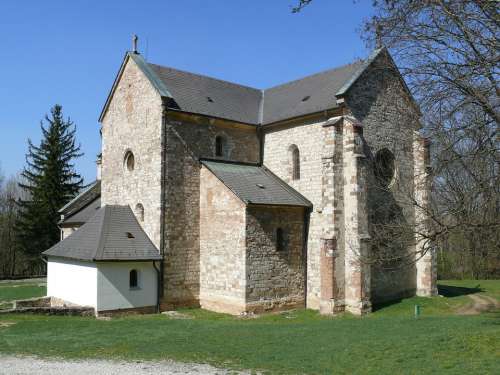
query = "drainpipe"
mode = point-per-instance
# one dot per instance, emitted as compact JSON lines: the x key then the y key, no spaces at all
{"x":260,"y":135}
{"x":158,"y":291}
{"x":307,"y":217}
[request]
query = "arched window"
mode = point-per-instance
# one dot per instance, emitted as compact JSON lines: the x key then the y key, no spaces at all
{"x":220,"y":145}
{"x":384,"y":167}
{"x":280,"y":240}
{"x":294,"y":156}
{"x":129,"y":161}
{"x":132,"y":281}
{"x":139,"y":212}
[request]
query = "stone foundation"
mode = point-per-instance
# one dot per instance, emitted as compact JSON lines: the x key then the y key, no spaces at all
{"x":129,"y":311}
{"x":49,"y":306}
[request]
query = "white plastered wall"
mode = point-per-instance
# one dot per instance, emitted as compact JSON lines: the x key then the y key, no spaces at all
{"x":72,"y":281}
{"x":113,"y":285}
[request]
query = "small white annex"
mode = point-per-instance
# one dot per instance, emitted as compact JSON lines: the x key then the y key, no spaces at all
{"x":109,"y":264}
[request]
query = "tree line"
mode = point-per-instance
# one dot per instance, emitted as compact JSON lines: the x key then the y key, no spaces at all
{"x":29,"y":202}
{"x":448,"y":54}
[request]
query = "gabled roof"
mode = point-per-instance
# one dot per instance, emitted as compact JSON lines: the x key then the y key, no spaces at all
{"x":81,"y":208}
{"x":83,"y":215}
{"x":113,"y":233}
{"x":255,"y":184}
{"x":195,"y":93}
{"x":88,"y":195}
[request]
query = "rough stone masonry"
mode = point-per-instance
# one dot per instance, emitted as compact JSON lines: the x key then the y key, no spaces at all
{"x":321,"y":138}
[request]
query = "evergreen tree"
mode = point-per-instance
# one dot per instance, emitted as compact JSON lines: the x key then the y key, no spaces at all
{"x":50,"y":181}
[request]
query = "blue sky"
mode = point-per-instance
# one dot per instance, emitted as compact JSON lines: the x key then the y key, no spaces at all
{"x":68,"y":52}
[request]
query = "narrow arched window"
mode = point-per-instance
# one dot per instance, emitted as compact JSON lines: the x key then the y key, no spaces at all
{"x":219,"y":145}
{"x":139,"y":212}
{"x":385,"y":167}
{"x":280,"y":240}
{"x":133,"y":282}
{"x":294,"y":156}
{"x":129,"y":161}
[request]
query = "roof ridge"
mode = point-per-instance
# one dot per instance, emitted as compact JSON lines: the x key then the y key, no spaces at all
{"x":330,"y":70}
{"x":262,"y":90}
{"x":79,"y":195}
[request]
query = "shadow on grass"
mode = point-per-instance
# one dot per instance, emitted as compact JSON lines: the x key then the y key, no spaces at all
{"x":457,"y":291}
{"x":447,"y":291}
{"x":382,"y":305}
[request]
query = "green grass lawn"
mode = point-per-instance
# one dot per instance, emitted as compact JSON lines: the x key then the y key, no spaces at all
{"x":12,"y":290}
{"x":389,"y":341}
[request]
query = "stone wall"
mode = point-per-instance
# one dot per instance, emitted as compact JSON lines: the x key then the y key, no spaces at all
{"x":275,"y":278}
{"x":222,"y":247}
{"x":309,"y":138}
{"x":133,"y":123}
{"x":379,"y":101}
{"x":188,"y":139}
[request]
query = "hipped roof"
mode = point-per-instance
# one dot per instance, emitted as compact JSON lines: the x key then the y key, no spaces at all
{"x":112,"y":234}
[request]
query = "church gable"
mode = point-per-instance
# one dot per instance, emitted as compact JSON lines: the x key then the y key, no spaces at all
{"x":139,"y":67}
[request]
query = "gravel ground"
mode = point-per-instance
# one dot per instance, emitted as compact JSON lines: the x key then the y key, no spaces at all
{"x":14,"y":365}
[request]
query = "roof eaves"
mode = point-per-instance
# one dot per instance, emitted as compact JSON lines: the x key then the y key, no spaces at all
{"x":366,"y":63}
{"x":171,"y":109}
{"x":86,"y":190}
{"x":288,"y":188}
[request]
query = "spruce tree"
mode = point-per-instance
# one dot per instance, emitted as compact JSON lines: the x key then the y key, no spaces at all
{"x":50,"y":181}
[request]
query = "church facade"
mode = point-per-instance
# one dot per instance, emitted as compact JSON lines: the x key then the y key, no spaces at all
{"x":256,"y":200}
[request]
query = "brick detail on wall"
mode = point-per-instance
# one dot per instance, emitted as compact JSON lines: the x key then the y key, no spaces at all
{"x":222,"y":247}
{"x":133,"y":123}
{"x":188,"y":140}
{"x":357,"y":269}
{"x":275,"y":278}
{"x":425,"y":254}
{"x":308,"y":137}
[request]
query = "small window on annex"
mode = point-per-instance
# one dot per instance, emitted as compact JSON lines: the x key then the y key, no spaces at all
{"x":294,"y":160}
{"x":133,"y":279}
{"x":129,"y":161}
{"x":280,"y":240}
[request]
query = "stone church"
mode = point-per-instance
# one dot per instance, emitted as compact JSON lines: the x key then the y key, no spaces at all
{"x":240,"y":200}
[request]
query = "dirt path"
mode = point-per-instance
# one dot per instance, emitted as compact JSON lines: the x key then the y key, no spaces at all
{"x":479,"y":304}
{"x":14,"y":365}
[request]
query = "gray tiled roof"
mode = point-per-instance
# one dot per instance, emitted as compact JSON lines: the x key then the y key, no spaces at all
{"x":92,"y":192}
{"x":255,"y":184}
{"x":307,"y":95}
{"x":113,"y":233}
{"x":83,"y":215}
{"x":213,"y":97}
{"x":209,"y":96}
